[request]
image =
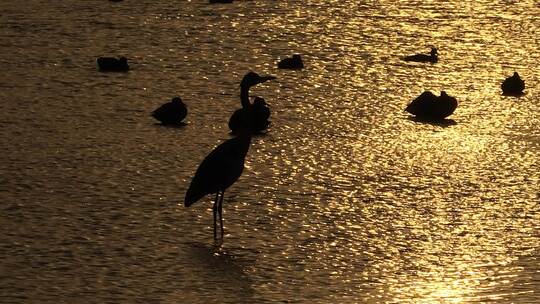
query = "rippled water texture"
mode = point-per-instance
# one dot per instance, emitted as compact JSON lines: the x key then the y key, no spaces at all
{"x":345,"y":200}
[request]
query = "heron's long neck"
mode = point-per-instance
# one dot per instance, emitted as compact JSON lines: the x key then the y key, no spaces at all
{"x":245,"y":142}
{"x":244,"y":96}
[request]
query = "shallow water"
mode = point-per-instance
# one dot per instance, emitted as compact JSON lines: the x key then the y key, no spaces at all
{"x":346,"y":199}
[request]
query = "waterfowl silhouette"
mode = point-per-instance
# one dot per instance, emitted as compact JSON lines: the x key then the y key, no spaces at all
{"x":513,"y":85}
{"x":293,"y":63}
{"x":251,"y":117}
{"x":261,"y":111}
{"x":171,"y":113}
{"x":217,"y":172}
{"x":111,"y":64}
{"x":432,"y":57}
{"x":430,"y":107}
{"x":256,"y":117}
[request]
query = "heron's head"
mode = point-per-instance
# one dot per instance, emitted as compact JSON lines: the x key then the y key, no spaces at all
{"x":252,"y":78}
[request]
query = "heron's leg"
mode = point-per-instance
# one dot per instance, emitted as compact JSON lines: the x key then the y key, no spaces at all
{"x":214,"y":210}
{"x":220,"y":209}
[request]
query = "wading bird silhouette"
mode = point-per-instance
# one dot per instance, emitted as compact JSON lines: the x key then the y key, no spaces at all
{"x":432,"y":57}
{"x":251,"y":117}
{"x":171,"y":113}
{"x":225,"y":164}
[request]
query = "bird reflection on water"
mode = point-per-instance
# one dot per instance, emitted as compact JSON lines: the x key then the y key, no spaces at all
{"x":446,"y":122}
{"x":221,"y":271}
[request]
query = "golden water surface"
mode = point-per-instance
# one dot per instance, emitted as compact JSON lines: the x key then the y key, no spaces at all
{"x":345,"y":200}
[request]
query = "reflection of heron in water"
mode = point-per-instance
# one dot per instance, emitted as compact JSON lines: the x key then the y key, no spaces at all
{"x":227,"y":269}
{"x":251,"y":117}
{"x":224,"y":165}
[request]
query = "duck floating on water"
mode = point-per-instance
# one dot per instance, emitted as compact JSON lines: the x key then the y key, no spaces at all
{"x":171,"y":113}
{"x":111,"y":64}
{"x":251,"y":117}
{"x":432,"y":57}
{"x":259,"y":114}
{"x":293,"y":63}
{"x":513,"y":85}
{"x":430,"y":107}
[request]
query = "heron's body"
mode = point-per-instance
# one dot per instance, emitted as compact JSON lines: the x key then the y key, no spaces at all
{"x":172,"y":112}
{"x":219,"y":170}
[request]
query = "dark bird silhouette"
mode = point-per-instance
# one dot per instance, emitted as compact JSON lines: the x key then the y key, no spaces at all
{"x":217,"y":172}
{"x":293,"y":63}
{"x":255,"y":118}
{"x":432,"y":57}
{"x":261,"y":110}
{"x":430,"y":107}
{"x":171,"y":113}
{"x":224,"y":165}
{"x":251,"y":117}
{"x":220,"y":1}
{"x":110,"y":64}
{"x":513,"y":85}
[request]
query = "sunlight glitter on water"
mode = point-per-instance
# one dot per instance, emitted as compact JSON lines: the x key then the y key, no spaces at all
{"x":346,"y":199}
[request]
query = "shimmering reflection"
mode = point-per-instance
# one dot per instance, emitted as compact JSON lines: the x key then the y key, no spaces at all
{"x":396,"y":210}
{"x":345,"y":200}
